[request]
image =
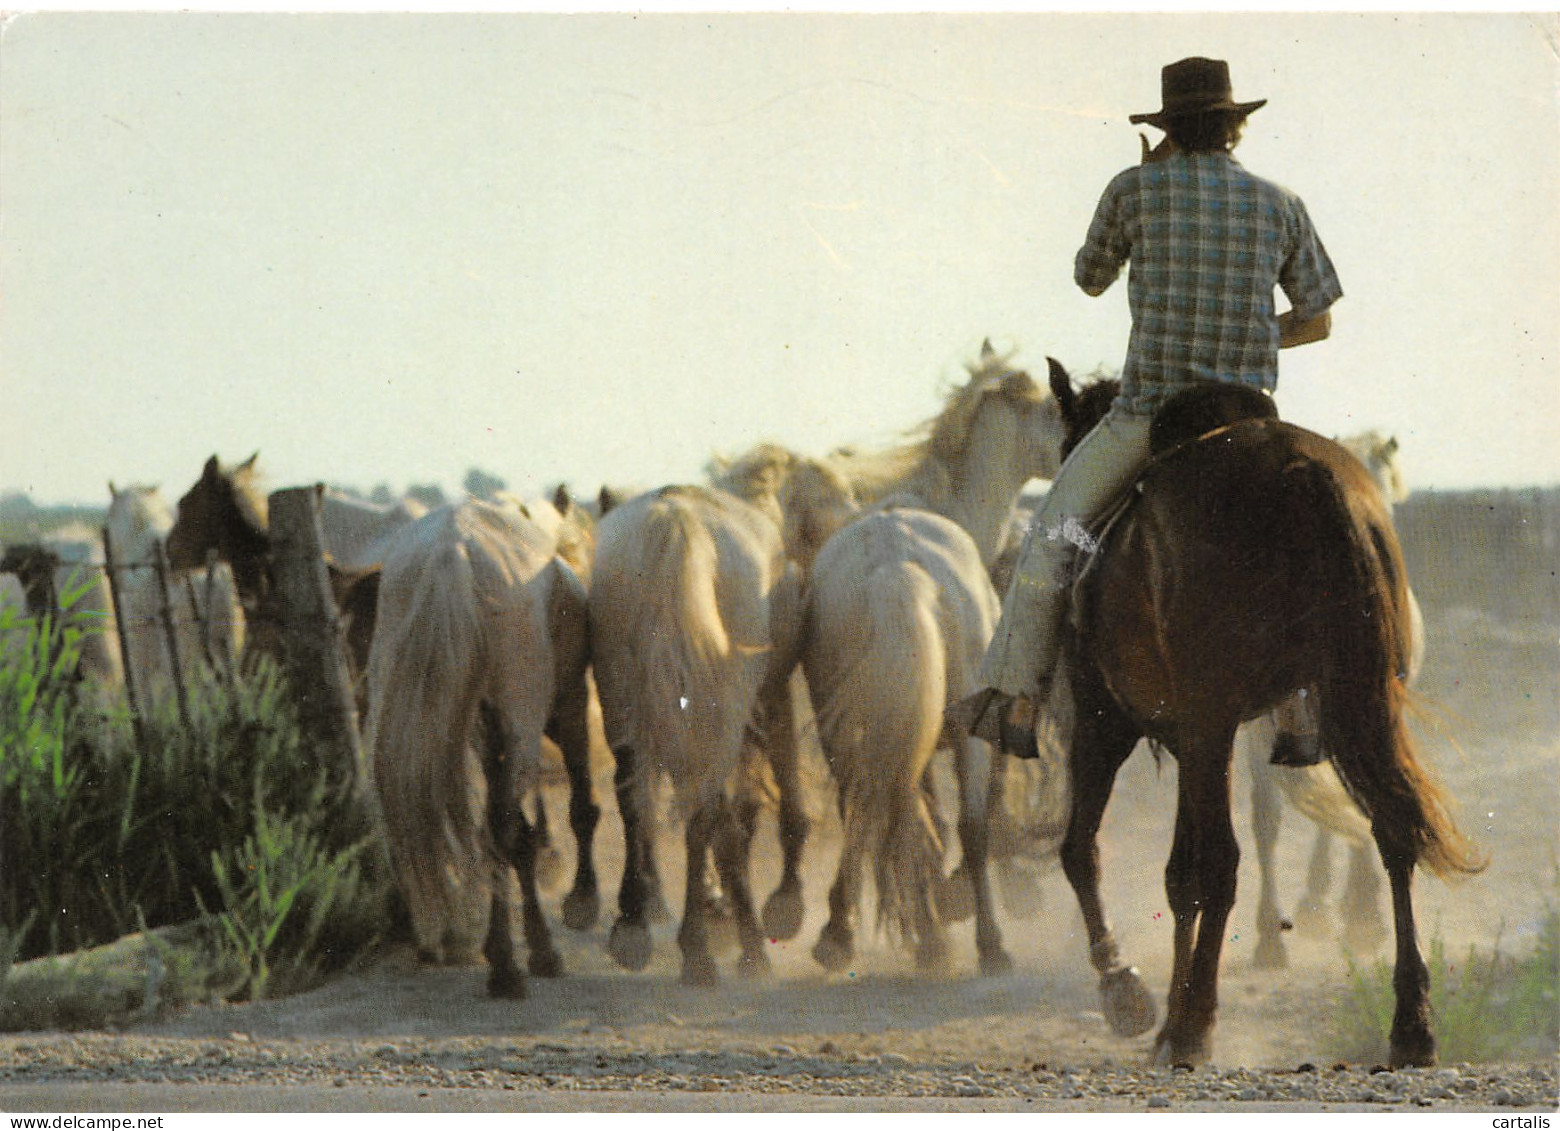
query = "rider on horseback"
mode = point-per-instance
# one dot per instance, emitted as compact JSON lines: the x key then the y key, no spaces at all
{"x":1208,"y":243}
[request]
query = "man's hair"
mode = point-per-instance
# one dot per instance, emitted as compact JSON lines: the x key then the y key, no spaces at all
{"x":1211,"y":131}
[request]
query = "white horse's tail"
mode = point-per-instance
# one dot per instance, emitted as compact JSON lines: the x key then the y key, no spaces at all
{"x":688,"y":682}
{"x":880,"y":723}
{"x":424,"y":671}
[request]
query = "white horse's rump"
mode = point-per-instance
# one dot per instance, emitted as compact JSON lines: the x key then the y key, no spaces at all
{"x":693,"y":611}
{"x":899,"y":612}
{"x":481,"y":631}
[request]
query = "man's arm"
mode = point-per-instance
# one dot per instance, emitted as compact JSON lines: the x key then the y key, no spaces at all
{"x":1292,"y":332}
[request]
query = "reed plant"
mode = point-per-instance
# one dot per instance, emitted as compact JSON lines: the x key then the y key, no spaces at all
{"x":228,"y":818}
{"x":1490,"y":1006}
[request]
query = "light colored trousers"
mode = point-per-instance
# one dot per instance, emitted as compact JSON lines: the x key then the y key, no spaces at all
{"x":1025,"y":649}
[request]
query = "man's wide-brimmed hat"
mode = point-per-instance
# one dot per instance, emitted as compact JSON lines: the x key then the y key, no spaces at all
{"x":1194,"y":86}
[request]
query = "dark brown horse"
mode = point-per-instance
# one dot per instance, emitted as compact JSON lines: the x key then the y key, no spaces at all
{"x":1254,"y":561}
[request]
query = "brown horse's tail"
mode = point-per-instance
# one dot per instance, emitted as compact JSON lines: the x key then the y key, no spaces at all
{"x":1364,"y":692}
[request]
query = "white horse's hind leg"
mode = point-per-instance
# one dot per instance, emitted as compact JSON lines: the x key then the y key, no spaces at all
{"x":1360,"y":906}
{"x":1267,"y":817}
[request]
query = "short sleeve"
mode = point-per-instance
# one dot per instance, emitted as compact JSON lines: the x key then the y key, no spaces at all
{"x":1307,"y":276}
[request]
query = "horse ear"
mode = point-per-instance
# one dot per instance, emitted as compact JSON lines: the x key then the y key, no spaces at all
{"x":606,"y":499}
{"x":561,"y":499}
{"x":249,"y":464}
{"x":113,"y":492}
{"x":1061,"y":386}
{"x":986,"y":352}
{"x":212,"y":470}
{"x":1390,"y":447}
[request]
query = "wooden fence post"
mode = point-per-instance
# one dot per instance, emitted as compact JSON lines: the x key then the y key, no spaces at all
{"x":170,"y":630}
{"x":311,"y":632}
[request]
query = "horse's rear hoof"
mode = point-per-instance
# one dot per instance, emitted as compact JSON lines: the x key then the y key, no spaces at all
{"x":834,"y":949}
{"x":505,"y":982}
{"x":996,"y":963}
{"x":783,"y":913}
{"x":1126,"y":1002}
{"x":629,"y":944}
{"x":545,"y":964}
{"x":699,"y":970}
{"x":1416,"y":1051}
{"x":580,"y":909}
{"x":754,"y":965}
{"x":931,"y":954}
{"x":956,"y":897}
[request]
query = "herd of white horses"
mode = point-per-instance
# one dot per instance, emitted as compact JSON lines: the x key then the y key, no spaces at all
{"x":685,"y":614}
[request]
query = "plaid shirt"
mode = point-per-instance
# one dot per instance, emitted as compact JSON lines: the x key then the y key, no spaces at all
{"x":1208,"y":243}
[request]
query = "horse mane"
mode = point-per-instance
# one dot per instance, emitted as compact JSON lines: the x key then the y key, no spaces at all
{"x":922,"y":467}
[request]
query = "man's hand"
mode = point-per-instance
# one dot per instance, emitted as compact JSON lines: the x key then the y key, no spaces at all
{"x":1294,"y":333}
{"x":1164,"y":149}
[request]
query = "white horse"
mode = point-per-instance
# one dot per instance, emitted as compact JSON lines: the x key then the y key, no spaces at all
{"x":480,"y":640}
{"x":695,"y":608}
{"x":898,"y":615}
{"x":880,"y":696}
{"x":1315,"y":790}
{"x":207,"y":621}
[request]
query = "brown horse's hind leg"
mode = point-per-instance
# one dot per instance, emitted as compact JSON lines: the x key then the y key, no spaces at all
{"x":1413,"y":1044}
{"x":1102,"y":742}
{"x":1200,"y":883}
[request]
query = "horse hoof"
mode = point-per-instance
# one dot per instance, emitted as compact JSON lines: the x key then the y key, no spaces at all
{"x":505,"y":982}
{"x":545,"y":964}
{"x":833,"y":950}
{"x":1165,"y":1056}
{"x":629,"y":944}
{"x":699,"y":970}
{"x":995,"y":962}
{"x":931,"y":956}
{"x":956,"y":897}
{"x":754,"y":965}
{"x":580,"y":908}
{"x":1126,"y":1002}
{"x":783,"y":912}
{"x":1413,"y":1051}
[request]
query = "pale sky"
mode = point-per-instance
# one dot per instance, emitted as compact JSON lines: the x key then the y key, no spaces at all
{"x":599,"y":248}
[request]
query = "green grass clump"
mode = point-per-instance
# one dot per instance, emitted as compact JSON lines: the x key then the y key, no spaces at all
{"x":1492,"y":1006}
{"x":230,"y":820}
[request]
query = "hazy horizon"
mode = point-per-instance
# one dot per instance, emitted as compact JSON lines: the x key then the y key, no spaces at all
{"x":600,"y":248}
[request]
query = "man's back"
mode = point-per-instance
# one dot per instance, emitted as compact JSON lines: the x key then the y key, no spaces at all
{"x":1208,"y":242}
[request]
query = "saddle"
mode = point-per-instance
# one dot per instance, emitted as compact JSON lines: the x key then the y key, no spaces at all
{"x":1185,"y":419}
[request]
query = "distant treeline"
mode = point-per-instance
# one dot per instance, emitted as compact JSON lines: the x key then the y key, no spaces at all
{"x":1497,"y":550}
